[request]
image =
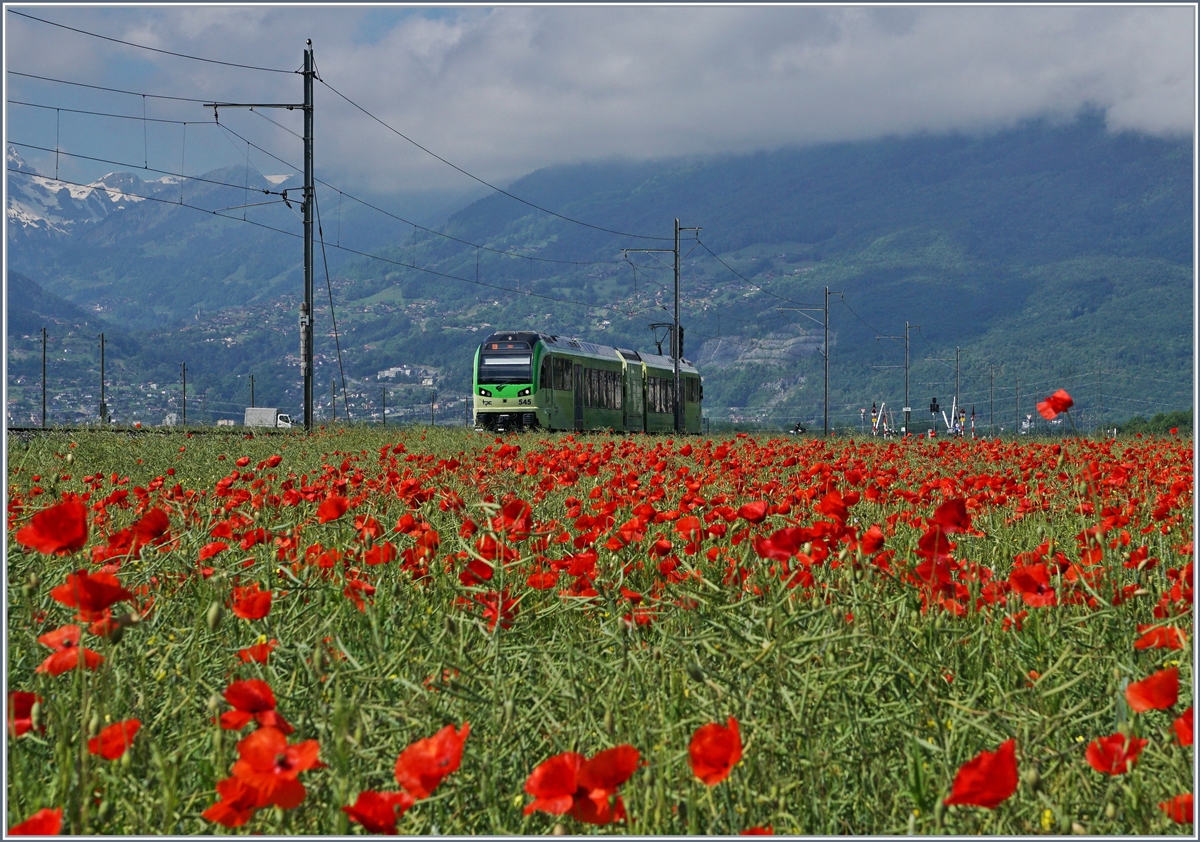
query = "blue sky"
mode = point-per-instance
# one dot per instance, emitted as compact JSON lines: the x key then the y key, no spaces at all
{"x":503,"y":91}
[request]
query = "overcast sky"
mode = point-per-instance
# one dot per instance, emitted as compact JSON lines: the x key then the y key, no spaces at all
{"x":502,"y":91}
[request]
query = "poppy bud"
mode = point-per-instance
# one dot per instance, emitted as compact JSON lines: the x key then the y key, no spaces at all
{"x":770,"y":626}
{"x":508,"y":712}
{"x":451,"y":628}
{"x":1078,"y":829}
{"x":213,"y":617}
{"x":1031,"y":778}
{"x":70,"y":458}
{"x":608,"y":721}
{"x":319,"y":660}
{"x":116,"y":634}
{"x":695,"y":672}
{"x":35,"y":716}
{"x":93,"y":727}
{"x":1110,"y":811}
{"x":126,"y":760}
{"x":559,"y":830}
{"x":105,"y":810}
{"x":214,"y":704}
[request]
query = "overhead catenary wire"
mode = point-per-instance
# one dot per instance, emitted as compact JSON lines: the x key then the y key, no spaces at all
{"x":150,"y":49}
{"x":418,"y":226}
{"x":319,"y":181}
{"x":332,"y":315}
{"x":487,"y":184}
{"x":414,"y":267}
{"x":136,"y":167}
{"x":110,"y":90}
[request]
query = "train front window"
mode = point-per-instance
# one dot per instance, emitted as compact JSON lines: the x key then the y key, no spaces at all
{"x":505,"y":368}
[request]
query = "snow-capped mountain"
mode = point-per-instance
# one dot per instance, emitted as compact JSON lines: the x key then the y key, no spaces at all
{"x":42,"y":207}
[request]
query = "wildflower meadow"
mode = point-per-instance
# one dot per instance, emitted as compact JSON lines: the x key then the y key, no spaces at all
{"x":438,"y":631}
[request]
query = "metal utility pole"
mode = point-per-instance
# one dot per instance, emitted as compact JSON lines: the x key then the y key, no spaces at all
{"x":43,"y":378}
{"x":825,"y":347}
{"x":383,"y":404}
{"x":992,"y":398}
{"x":432,"y":415}
{"x":1017,"y":428}
{"x":183,"y":374}
{"x":309,"y":195}
{"x":676,"y":330}
{"x":306,"y":309}
{"x":333,"y":398}
{"x":103,"y":405}
{"x":907,"y":408}
{"x":251,"y":391}
{"x":957,"y":359}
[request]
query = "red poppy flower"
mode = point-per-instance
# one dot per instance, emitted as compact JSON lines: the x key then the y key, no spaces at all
{"x":381,"y":553}
{"x":251,"y":603}
{"x":258,"y":653}
{"x":1032,"y":582}
{"x":1183,"y":727}
{"x":150,"y":528}
{"x":1161,"y":637}
{"x":46,"y":822}
{"x":542,"y":581}
{"x":58,"y":530}
{"x":1060,"y":401}
{"x":782,"y":544}
{"x":252,"y":700}
{"x":1180,"y":809}
{"x":425,"y":763}
{"x":237,"y":803}
{"x":952,"y":516}
{"x":211,"y":549}
{"x":570,"y":782}
{"x":332,"y":508}
{"x":714,"y":751}
{"x":755,"y":512}
{"x":514,"y":520}
{"x":65,"y":642}
{"x":497,"y":606}
{"x":271,"y":766}
{"x":987,"y":779}
{"x":1114,"y":754}
{"x":872,"y":540}
{"x":378,"y":812}
{"x":758,"y":831}
{"x":20,"y":712}
{"x":91,"y":594}
{"x":832,"y":505}
{"x":114,"y":740}
{"x":1158,"y":692}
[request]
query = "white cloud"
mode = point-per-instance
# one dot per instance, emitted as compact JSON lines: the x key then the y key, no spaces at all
{"x":504,"y":91}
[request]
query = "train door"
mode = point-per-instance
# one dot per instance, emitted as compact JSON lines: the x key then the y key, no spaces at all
{"x":578,"y":397}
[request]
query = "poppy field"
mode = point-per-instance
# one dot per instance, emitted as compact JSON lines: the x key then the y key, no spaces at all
{"x":437,"y":631}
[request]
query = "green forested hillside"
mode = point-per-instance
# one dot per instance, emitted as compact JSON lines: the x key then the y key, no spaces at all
{"x":1043,"y":256}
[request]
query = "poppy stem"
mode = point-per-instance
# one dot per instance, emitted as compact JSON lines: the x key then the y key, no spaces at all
{"x":1072,"y":420}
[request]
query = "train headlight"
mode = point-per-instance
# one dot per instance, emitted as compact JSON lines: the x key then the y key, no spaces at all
{"x":485,"y":393}
{"x":524,"y":393}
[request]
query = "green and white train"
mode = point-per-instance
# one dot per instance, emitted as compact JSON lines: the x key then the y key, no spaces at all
{"x":525,"y":380}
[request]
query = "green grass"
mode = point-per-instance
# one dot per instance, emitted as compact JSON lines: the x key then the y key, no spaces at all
{"x":851,"y":725}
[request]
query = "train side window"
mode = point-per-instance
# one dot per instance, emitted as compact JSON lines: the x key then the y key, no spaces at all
{"x":544,"y":381}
